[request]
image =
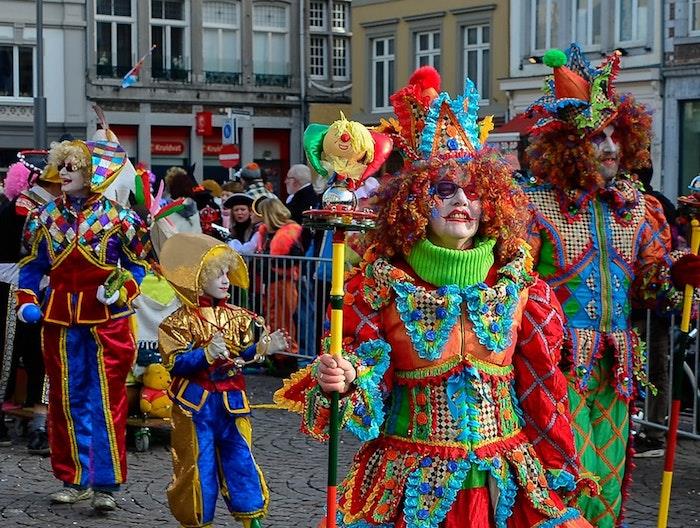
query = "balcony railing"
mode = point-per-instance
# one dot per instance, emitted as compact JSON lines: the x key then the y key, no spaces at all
{"x":272,"y":73}
{"x":172,"y":74}
{"x":270,"y":79}
{"x":218,"y":77}
{"x":111,"y":72}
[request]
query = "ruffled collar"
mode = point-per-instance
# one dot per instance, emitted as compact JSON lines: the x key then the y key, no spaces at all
{"x":622,"y":195}
{"x":429,"y":314}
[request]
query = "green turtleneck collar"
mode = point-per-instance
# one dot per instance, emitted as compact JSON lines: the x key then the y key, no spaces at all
{"x":441,"y":266}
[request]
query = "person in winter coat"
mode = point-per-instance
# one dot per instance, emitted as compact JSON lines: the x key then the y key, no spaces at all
{"x":280,"y":236}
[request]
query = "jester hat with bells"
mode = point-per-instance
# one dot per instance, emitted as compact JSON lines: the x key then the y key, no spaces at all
{"x":103,"y":160}
{"x":346,"y":149}
{"x":183,"y":257}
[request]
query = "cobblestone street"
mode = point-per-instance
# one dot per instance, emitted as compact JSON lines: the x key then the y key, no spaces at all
{"x":295,"y":470}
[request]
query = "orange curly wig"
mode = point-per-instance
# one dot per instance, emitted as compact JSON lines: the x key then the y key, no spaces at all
{"x":562,"y":157}
{"x":406,"y":203}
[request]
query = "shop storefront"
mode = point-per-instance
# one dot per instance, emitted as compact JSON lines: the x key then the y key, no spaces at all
{"x":170,"y":147}
{"x":271,"y":152}
{"x":211,"y":148}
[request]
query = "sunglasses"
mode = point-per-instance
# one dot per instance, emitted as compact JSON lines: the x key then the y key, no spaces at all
{"x":446,"y":189}
{"x":70,"y":167}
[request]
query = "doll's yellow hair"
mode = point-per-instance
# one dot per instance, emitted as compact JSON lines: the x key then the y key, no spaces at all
{"x":360,"y":138}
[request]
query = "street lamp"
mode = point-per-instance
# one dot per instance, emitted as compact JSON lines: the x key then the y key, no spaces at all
{"x":40,"y":136}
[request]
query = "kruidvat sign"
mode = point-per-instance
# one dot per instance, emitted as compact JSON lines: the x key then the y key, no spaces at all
{"x":167,"y":148}
{"x":211,"y":149}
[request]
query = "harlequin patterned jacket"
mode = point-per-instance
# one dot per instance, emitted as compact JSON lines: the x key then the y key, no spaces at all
{"x":455,"y":385}
{"x":78,"y":244}
{"x":621,"y":262}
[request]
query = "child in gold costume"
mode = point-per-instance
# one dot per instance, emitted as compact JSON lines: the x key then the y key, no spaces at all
{"x":205,"y":344}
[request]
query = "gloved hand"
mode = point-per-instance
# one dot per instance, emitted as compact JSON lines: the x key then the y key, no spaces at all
{"x":686,"y":270}
{"x":216,"y":349}
{"x":29,"y":313}
{"x":102,"y":296}
{"x":279,"y":342}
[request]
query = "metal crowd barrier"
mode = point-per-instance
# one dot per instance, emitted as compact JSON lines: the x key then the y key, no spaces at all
{"x":660,"y":335}
{"x":293,"y":292}
{"x":290,"y":293}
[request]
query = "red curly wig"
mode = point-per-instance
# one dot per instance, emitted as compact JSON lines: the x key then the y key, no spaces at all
{"x":406,"y":203}
{"x":564,"y":158}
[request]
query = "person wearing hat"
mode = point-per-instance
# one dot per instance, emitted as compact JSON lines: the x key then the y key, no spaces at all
{"x":241,"y":225}
{"x":253,"y":181}
{"x":205,"y":345}
{"x":449,"y":344}
{"x":20,"y":341}
{"x":604,"y":247}
{"x":93,"y":251}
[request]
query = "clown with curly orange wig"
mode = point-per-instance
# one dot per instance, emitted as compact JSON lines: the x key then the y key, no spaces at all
{"x":603,"y":246}
{"x":450,"y":344}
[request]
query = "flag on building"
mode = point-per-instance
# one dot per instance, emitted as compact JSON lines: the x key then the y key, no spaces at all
{"x":133,"y":74}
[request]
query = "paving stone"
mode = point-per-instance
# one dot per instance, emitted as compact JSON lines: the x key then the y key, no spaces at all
{"x":295,"y":468}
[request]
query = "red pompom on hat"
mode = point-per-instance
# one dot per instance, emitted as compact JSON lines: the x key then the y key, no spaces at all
{"x":428,"y":79}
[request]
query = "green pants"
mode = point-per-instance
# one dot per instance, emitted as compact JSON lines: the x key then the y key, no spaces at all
{"x":601,"y":428}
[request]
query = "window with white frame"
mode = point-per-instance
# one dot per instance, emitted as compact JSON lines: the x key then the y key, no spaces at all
{"x":169,"y":21}
{"x":317,"y":56}
{"x":477,"y":57}
{"x":632,"y":19}
{"x":221,"y":41}
{"x":16,"y":71}
{"x":270,"y":39}
{"x":694,"y":17}
{"x":340,"y":18}
{"x":586,"y":23}
{"x":382,"y":75}
{"x":544,"y":21}
{"x":115,"y":37}
{"x":427,"y":49}
{"x":341,"y":59}
{"x":317,"y":15}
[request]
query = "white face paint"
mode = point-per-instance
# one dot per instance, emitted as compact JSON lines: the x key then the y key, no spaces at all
{"x":455,"y":220}
{"x":607,"y":152}
{"x":73,"y":180}
{"x":218,"y":286}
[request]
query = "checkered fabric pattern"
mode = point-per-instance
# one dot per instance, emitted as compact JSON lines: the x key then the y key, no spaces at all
{"x":595,"y":295}
{"x":100,"y":218}
{"x":107,"y":160}
{"x":258,"y":189}
{"x":601,"y":427}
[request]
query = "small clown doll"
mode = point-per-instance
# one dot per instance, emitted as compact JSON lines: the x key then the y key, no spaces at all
{"x":346,"y":149}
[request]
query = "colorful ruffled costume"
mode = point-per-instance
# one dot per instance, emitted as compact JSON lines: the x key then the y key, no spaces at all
{"x":88,"y":346}
{"x":600,"y":247}
{"x":458,"y":397}
{"x":212,"y":434}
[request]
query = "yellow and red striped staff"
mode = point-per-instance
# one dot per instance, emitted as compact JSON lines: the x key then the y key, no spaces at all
{"x":693,"y":203}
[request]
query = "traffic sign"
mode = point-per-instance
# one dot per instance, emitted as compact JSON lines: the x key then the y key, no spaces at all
{"x":229,"y":156}
{"x":229,"y":132}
